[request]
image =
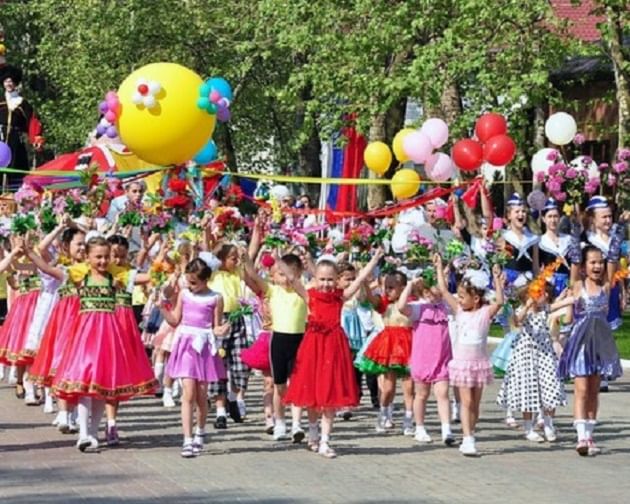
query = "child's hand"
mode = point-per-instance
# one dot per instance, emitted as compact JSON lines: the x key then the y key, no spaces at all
{"x":222,"y":330}
{"x":437,"y":261}
{"x":496,"y":271}
{"x":379,"y":253}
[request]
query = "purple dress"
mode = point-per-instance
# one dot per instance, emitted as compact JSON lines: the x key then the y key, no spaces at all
{"x":431,"y":346}
{"x":194,"y":354}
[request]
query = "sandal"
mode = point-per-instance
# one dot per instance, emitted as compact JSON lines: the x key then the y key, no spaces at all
{"x":326,"y":451}
{"x":511,"y":423}
{"x":20,"y":393}
{"x":313,"y":444}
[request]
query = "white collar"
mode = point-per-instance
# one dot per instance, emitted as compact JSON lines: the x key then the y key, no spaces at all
{"x":598,"y":242}
{"x":521,"y":244}
{"x":477,"y":247}
{"x":559,"y":249}
{"x":14,"y":100}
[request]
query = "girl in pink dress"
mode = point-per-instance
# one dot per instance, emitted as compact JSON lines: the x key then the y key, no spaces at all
{"x":100,"y":363}
{"x":471,"y":370}
{"x":194,"y":358}
{"x":430,"y":356}
{"x":323,"y":378}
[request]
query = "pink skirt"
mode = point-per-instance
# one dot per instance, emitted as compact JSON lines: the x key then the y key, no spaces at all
{"x":14,"y":331}
{"x":257,"y":355}
{"x":470,"y":367}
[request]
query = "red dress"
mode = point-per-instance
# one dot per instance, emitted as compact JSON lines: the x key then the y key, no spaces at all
{"x":323,"y":376}
{"x":56,"y":336}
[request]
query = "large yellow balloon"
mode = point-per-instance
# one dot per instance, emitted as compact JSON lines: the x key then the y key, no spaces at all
{"x":405,"y":183}
{"x":175,"y":129}
{"x":397,"y":144}
{"x":377,"y":157}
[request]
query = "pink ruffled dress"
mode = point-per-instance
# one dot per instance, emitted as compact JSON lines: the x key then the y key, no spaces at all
{"x":431,"y":349}
{"x":471,"y":366}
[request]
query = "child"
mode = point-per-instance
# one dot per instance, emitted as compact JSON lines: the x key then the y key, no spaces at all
{"x":591,"y":352}
{"x":470,"y":370}
{"x":58,"y":330}
{"x":430,"y":355}
{"x":288,"y":319}
{"x":194,"y":357}
{"x":323,"y":378}
{"x":388,"y":354}
{"x":99,"y":363}
{"x":531,"y":384}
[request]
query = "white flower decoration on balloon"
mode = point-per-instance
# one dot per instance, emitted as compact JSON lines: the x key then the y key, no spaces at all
{"x":145,"y":94}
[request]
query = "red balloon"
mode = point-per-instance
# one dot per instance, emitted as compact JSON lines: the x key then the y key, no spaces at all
{"x":489,"y":125}
{"x":499,"y":150}
{"x":467,"y":154}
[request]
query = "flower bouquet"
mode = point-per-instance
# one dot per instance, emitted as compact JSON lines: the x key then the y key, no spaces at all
{"x":132,"y":216}
{"x":159,"y":272}
{"x":47,"y":218}
{"x":568,"y":183}
{"x":244,"y":310}
{"x":161,"y":223}
{"x":228,"y":221}
{"x":74,"y":203}
{"x":23,"y":223}
{"x":419,"y":249}
{"x":498,"y":251}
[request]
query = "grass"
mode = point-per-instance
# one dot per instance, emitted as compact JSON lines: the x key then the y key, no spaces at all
{"x":622,"y":336}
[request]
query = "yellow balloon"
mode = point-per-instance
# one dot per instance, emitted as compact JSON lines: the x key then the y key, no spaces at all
{"x":377,"y":157}
{"x":405,"y":183}
{"x":174,"y":129}
{"x":397,"y":144}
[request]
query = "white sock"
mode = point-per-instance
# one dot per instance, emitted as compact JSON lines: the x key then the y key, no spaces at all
{"x":580,"y":427}
{"x":188,"y":440}
{"x":280,"y":422}
{"x":313,"y":430}
{"x":420,"y":429}
{"x":548,"y":419}
{"x":589,"y":427}
{"x":168,"y":391}
{"x":231,"y":396}
{"x":83,"y":409}
{"x":527,"y":426}
{"x":158,"y":370}
{"x":98,"y":407}
{"x":63,"y":418}
{"x":468,"y":440}
{"x":199,"y":431}
{"x":29,"y":388}
{"x":408,"y":414}
{"x":324,"y":439}
{"x":221,"y":411}
{"x":390,"y":411}
{"x":111,"y":423}
{"x":295,"y":424}
{"x":446,"y":430}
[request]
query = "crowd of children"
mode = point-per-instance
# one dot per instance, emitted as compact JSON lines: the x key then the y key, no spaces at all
{"x":314,"y":306}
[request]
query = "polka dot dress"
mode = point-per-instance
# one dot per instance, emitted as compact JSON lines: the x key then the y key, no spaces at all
{"x":531,"y":383}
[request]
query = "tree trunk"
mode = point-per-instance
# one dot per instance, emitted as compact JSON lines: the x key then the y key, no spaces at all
{"x":615,"y":26}
{"x":309,"y":161}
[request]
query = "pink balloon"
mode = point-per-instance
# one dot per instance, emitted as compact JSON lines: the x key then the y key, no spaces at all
{"x":215,"y":96}
{"x":436,"y":130}
{"x":439,"y":167}
{"x":110,"y":116}
{"x":417,"y":146}
{"x":111,"y":95}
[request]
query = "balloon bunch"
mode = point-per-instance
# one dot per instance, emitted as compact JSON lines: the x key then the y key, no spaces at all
{"x":110,"y":110}
{"x":215,"y":96}
{"x":492,"y":145}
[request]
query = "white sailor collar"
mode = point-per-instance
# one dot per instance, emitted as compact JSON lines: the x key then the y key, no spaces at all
{"x":521,"y":244}
{"x":598,"y":242}
{"x":558,"y":249}
{"x":14,"y":100}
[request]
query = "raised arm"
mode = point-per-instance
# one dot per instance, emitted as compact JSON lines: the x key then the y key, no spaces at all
{"x":6,"y":261}
{"x":363,"y":275}
{"x":47,"y":241}
{"x":173,"y":317}
{"x":442,"y":285}
{"x":402,"y":304}
{"x":498,"y":280}
{"x":44,"y":266}
{"x":253,"y":280}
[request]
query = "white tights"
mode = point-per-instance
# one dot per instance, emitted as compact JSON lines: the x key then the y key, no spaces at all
{"x":90,"y":413}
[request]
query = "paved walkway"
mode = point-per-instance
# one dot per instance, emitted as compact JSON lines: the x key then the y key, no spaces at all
{"x":242,"y":464}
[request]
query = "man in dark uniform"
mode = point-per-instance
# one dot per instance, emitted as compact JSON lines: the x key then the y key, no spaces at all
{"x":17,"y":120}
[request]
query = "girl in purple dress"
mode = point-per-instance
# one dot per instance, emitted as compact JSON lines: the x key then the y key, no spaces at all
{"x":197,"y":316}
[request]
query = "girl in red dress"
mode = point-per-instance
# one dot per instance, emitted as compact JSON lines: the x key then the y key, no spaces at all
{"x":323,"y":378}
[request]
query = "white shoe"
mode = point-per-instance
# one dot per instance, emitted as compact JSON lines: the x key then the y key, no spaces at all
{"x":58,"y":418}
{"x":29,"y":397}
{"x":73,"y":427}
{"x":197,"y":444}
{"x":380,"y":425}
{"x":408,"y":428}
{"x":87,"y":444}
{"x":269,"y":424}
{"x":167,"y":399}
{"x":467,"y":448}
{"x":280,"y":432}
{"x":297,"y":434}
{"x":388,"y":424}
{"x":534,"y":437}
{"x":550,"y":434}
{"x":423,"y":437}
{"x":242,"y":409}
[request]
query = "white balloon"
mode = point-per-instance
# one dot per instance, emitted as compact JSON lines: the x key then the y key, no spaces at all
{"x":488,"y":171}
{"x":560,"y":128}
{"x":400,"y":242}
{"x":579,"y":163}
{"x":540,"y":161}
{"x":280,"y":192}
{"x":154,"y":87}
{"x":149,"y":101}
{"x":136,"y":98}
